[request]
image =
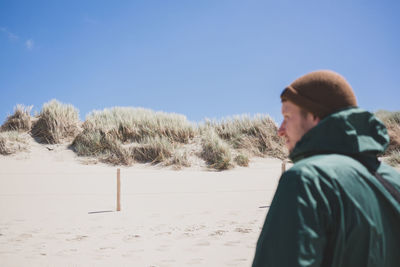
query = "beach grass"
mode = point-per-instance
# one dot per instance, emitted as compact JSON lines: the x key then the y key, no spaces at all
{"x":56,"y":123}
{"x":152,"y":150}
{"x":135,"y":124}
{"x":126,"y":135}
{"x":242,"y":160}
{"x":388,"y":117}
{"x":256,"y":135}
{"x":19,"y":121}
{"x":393,"y":158}
{"x":216,"y":152}
{"x":392,"y":123}
{"x":12,"y":142}
{"x":179,"y":159}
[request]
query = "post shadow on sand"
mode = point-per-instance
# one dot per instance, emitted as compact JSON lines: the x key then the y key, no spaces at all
{"x":100,"y":211}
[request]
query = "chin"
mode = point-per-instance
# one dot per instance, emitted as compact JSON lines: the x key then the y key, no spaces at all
{"x":290,"y":148}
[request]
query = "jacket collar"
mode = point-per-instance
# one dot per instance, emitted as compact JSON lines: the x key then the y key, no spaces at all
{"x":353,"y":131}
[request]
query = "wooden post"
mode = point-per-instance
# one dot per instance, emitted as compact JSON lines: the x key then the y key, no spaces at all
{"x":118,"y":189}
{"x":283,"y":166}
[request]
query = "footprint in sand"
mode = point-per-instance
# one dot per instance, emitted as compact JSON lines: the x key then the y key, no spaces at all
{"x":253,"y":222}
{"x":133,"y":253}
{"x":158,"y":228}
{"x":188,"y":234}
{"x":106,"y":248}
{"x":16,"y":239}
{"x":131,"y":237}
{"x":163,"y":233}
{"x":63,"y":233}
{"x":218,"y":233}
{"x":78,"y":238}
{"x":232,"y":243}
{"x":243,"y":230}
{"x":203,"y":243}
{"x":193,"y":228}
{"x":25,"y":236}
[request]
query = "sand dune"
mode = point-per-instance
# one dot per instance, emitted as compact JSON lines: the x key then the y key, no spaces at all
{"x":56,"y":211}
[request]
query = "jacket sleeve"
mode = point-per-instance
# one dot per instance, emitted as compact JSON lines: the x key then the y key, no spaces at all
{"x":294,"y":230}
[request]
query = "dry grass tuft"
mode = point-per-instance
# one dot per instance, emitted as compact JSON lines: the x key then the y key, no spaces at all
{"x":12,"y":142}
{"x":242,"y":160}
{"x":388,"y":117}
{"x":142,"y":135}
{"x":392,"y":123}
{"x":20,"y":121}
{"x":57,"y":123}
{"x":179,"y":159}
{"x":257,"y":135}
{"x":152,"y":149}
{"x":124,"y":135}
{"x":135,"y":124}
{"x":394,"y":134}
{"x":216,"y":152}
{"x":393,"y":158}
{"x":103,"y":146}
{"x":132,"y":134}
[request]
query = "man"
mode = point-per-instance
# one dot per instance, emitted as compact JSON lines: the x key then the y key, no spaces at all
{"x":337,"y":205}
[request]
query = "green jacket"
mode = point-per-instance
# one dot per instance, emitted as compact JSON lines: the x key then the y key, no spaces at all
{"x":328,"y":209}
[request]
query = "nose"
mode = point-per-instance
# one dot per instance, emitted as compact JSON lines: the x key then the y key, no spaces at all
{"x":281,"y":130}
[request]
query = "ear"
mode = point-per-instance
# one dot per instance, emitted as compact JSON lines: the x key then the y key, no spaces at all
{"x":312,"y":119}
{"x":315,"y":120}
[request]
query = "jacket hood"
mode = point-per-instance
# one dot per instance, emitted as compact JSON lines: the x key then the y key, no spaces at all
{"x":353,"y":131}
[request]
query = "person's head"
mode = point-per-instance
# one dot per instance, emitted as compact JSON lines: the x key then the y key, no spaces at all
{"x":310,"y":99}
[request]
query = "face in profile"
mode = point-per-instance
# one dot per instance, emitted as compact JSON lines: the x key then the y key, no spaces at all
{"x":295,"y":123}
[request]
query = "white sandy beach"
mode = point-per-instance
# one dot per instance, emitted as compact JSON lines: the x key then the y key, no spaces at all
{"x":49,"y":202}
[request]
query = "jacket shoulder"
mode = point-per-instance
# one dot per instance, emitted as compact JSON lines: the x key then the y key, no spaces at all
{"x":325,"y":165}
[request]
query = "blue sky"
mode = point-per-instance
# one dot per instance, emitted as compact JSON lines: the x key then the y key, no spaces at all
{"x":203,"y":59}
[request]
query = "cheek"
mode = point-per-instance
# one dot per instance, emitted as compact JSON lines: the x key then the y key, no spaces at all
{"x":289,"y":125}
{"x":292,"y":129}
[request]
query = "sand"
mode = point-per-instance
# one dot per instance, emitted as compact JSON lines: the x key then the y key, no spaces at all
{"x":56,"y":211}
